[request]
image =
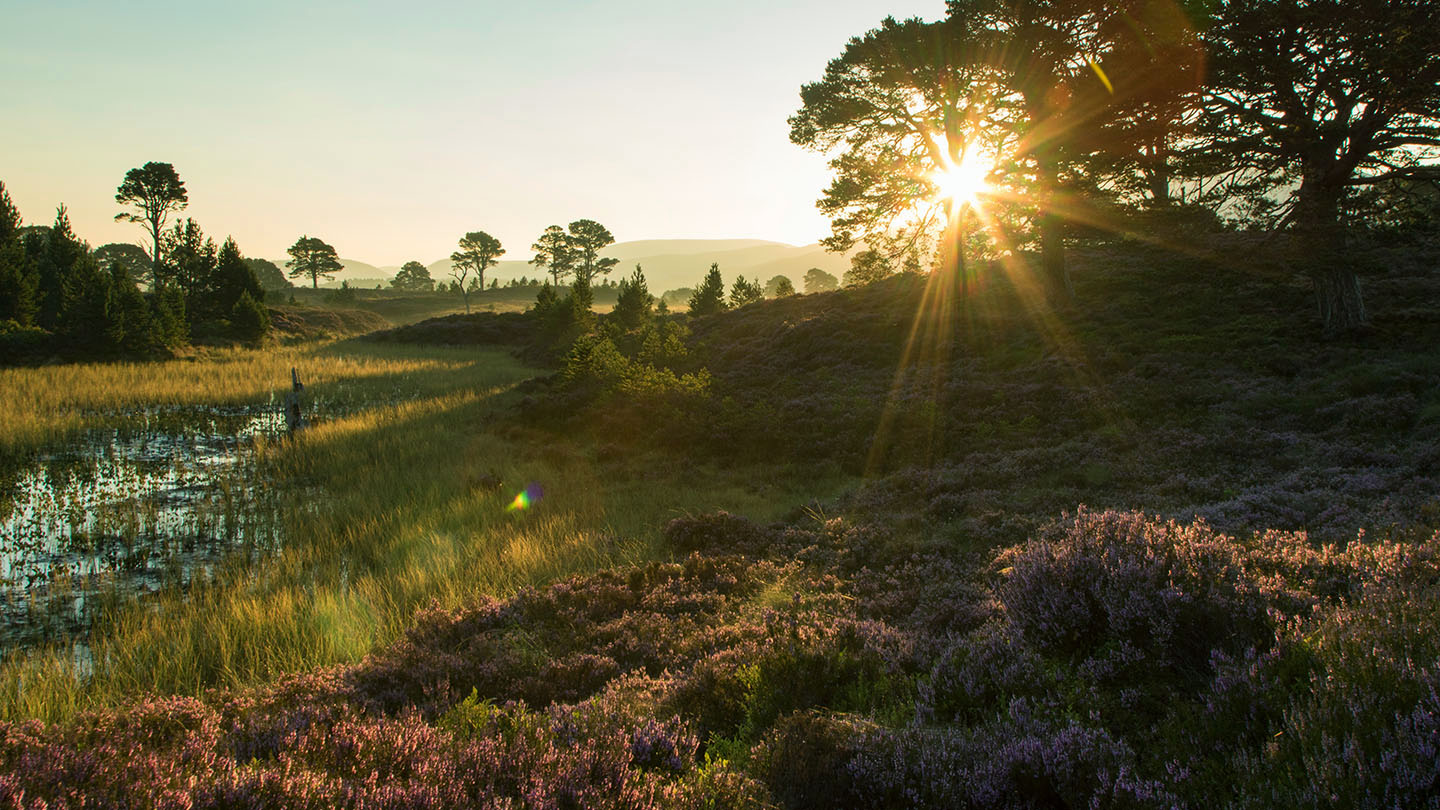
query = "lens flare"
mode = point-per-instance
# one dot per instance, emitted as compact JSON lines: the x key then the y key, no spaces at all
{"x":963,"y":182}
{"x":527,"y":498}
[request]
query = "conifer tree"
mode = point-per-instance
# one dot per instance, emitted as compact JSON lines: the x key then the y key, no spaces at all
{"x":231,"y":280}
{"x":745,"y":292}
{"x":61,"y":251}
{"x":17,"y":281}
{"x":635,"y":304}
{"x":248,"y":318}
{"x":709,"y":297}
{"x":154,"y":190}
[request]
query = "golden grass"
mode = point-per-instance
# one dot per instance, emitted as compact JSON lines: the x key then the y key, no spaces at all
{"x":383,"y":511}
{"x":43,"y":406}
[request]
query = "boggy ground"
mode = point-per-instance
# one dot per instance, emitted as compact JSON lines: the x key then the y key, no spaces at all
{"x":956,"y":632}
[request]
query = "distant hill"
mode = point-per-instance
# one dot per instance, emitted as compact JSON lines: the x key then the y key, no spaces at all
{"x":358,"y":273}
{"x":668,"y":263}
{"x":672,"y":263}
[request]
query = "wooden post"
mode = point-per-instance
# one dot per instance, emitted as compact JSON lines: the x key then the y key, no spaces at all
{"x":294,"y":419}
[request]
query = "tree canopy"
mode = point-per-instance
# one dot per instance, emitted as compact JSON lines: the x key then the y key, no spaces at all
{"x":413,"y":277}
{"x":155,"y":191}
{"x":585,"y":241}
{"x":709,"y":297}
{"x":478,"y":251}
{"x":312,"y":258}
{"x":817,"y":280}
{"x":779,"y":287}
{"x":269,"y":276}
{"x":553,"y":253}
{"x":1003,"y":90}
{"x":1320,"y":98}
{"x":744,"y":291}
{"x":867,"y":267}
{"x":130,"y":259}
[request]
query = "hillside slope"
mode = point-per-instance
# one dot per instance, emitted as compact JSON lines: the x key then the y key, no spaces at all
{"x":962,"y":630}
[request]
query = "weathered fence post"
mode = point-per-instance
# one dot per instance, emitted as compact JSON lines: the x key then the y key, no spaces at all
{"x":294,"y":419}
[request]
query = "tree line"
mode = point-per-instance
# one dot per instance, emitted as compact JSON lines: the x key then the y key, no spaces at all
{"x":1134,"y":116}
{"x":60,"y":298}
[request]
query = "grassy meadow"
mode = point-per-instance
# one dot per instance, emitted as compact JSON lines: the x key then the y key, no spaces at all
{"x":397,"y":498}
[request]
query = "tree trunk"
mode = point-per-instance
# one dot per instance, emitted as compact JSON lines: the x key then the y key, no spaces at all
{"x":1337,"y":289}
{"x":156,"y":274}
{"x":1052,"y":235}
{"x":1337,"y":294}
{"x":952,"y":256}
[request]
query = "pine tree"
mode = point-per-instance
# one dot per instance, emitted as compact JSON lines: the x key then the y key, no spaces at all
{"x":231,"y":280}
{"x":60,"y":252}
{"x":249,"y":319}
{"x":90,"y":321}
{"x":190,"y":264}
{"x":745,"y":292}
{"x":142,"y":336}
{"x":635,"y":304}
{"x":709,"y":297}
{"x":17,"y":281}
{"x":582,"y":300}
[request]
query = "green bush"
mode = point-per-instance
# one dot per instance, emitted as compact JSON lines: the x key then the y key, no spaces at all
{"x":249,"y":319}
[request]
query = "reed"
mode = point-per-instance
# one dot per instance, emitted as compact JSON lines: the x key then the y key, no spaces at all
{"x":402,"y":499}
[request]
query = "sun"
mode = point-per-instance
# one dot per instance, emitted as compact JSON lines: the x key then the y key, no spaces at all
{"x":963,"y":182}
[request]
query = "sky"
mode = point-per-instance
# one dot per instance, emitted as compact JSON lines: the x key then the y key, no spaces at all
{"x":391,"y":129}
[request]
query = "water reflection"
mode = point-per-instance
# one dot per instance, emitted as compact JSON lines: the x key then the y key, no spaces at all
{"x":128,"y":511}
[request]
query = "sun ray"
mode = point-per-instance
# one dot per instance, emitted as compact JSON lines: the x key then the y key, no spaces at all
{"x":965,"y":181}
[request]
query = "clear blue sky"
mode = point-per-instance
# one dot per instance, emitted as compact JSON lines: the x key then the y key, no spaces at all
{"x":390,"y":129}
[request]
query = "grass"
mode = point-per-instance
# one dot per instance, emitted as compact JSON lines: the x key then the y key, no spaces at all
{"x":402,"y":308}
{"x":398,"y":502}
{"x":45,"y":406}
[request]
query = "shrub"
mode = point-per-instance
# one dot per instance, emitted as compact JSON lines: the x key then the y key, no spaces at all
{"x":249,"y":320}
{"x":1101,"y":581}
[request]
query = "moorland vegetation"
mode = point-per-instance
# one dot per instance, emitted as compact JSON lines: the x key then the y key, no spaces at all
{"x":1098,"y":513}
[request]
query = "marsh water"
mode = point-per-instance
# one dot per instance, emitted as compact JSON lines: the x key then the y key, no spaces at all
{"x":160,"y":499}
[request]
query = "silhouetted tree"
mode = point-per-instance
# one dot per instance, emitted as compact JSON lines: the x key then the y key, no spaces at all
{"x":635,"y":304}
{"x":867,"y":267}
{"x":909,"y":101}
{"x":744,"y":292}
{"x":232,"y":280}
{"x":413,"y":277}
{"x":17,"y":279}
{"x":58,"y":257}
{"x":249,"y":319}
{"x":586,"y":239}
{"x":546,"y":302}
{"x":311,"y":257}
{"x":478,"y":251}
{"x":553,"y":253}
{"x":779,"y":287}
{"x":817,"y":280}
{"x":269,"y":276}
{"x":142,"y":335}
{"x":131,"y":259}
{"x":709,"y":297}
{"x":189,"y":264}
{"x":154,"y":190}
{"x":1321,"y":97}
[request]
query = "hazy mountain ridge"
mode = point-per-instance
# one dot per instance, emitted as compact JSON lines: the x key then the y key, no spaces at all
{"x":668,"y":263}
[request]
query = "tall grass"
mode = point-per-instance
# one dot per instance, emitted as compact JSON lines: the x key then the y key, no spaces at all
{"x":385,"y":510}
{"x":43,"y":406}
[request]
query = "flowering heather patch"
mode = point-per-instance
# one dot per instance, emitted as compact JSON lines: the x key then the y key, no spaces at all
{"x":1112,"y":660}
